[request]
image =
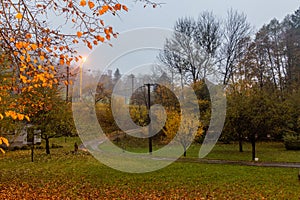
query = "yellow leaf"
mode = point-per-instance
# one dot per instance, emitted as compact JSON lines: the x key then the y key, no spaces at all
{"x":2,"y":150}
{"x":7,"y":114}
{"x":1,"y":117}
{"x":91,"y":4}
{"x":23,"y":78}
{"x":19,"y":16}
{"x":42,"y":58}
{"x":27,"y":118}
{"x":5,"y":141}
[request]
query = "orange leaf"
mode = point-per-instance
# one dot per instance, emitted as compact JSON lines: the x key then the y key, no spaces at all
{"x":91,"y":4}
{"x":125,"y":8}
{"x":79,"y":34}
{"x":19,"y":45}
{"x":107,"y":31}
{"x":83,"y":2}
{"x":19,"y":16}
{"x":95,"y":42}
{"x":102,"y":22}
{"x":89,"y":45}
{"x":103,"y":10}
{"x":100,"y":38}
{"x":34,"y":47}
{"x":117,"y":6}
{"x":20,"y":117}
{"x":42,"y":58}
{"x":28,"y":36}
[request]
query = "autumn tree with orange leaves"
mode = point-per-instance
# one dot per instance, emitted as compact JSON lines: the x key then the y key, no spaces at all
{"x":36,"y":47}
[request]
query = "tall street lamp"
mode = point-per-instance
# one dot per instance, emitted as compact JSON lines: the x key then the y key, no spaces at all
{"x":148,"y":85}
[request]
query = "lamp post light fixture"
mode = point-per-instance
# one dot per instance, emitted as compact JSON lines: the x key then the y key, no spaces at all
{"x":80,"y":81}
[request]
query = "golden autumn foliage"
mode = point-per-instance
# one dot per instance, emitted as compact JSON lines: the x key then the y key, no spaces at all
{"x":3,"y":141}
{"x":184,"y":128}
{"x":36,"y":50}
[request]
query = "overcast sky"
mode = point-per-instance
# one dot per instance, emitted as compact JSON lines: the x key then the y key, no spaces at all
{"x":259,"y":12}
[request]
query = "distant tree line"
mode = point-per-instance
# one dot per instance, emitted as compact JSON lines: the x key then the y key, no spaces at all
{"x":259,"y":71}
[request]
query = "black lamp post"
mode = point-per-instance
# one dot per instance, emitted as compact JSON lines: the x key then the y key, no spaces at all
{"x":148,"y":85}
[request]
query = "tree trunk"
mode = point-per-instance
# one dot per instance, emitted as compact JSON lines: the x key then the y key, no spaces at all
{"x":184,"y":153}
{"x":240,"y":143}
{"x":253,"y":147}
{"x":32,"y":152}
{"x":47,"y":146}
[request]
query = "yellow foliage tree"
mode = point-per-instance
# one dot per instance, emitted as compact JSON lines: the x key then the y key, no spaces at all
{"x":186,"y":134}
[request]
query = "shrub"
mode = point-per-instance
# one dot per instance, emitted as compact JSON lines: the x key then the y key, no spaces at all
{"x":15,"y":148}
{"x":25,"y":147}
{"x":292,"y":140}
{"x":55,"y":146}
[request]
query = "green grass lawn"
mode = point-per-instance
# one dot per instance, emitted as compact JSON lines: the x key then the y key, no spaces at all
{"x":265,"y":151}
{"x":63,"y":175}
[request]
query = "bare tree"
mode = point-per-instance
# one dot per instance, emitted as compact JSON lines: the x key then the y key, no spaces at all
{"x":237,"y":32}
{"x":207,"y":36}
{"x":192,"y":49}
